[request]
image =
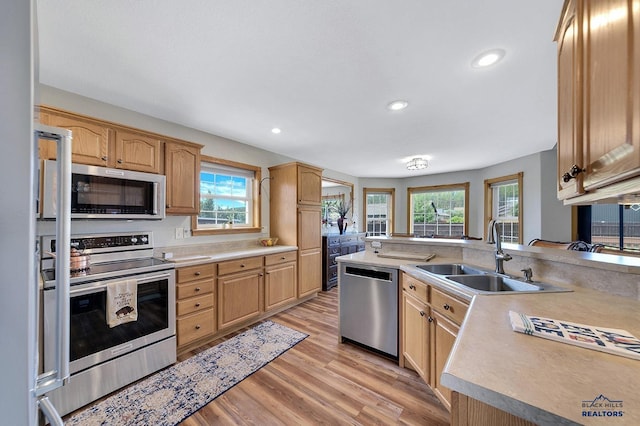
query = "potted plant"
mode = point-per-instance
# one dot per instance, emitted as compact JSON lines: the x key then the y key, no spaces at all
{"x":342,"y":209}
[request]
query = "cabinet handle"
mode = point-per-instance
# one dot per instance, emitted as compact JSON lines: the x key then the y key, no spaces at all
{"x":282,"y":258}
{"x":421,"y":313}
{"x":119,"y":161}
{"x":104,"y":158}
{"x":197,"y":288}
{"x":197,"y":305}
{"x":412,"y":287}
{"x":242,"y":265}
{"x":197,"y":273}
{"x":573,"y":173}
{"x":446,"y":307}
{"x":430,"y":319}
{"x":197,"y":326}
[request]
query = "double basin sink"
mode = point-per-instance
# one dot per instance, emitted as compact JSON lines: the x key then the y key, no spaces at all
{"x":486,"y":282}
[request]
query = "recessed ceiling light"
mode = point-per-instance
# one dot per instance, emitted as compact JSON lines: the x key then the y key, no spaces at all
{"x":397,"y":105}
{"x":276,"y":130}
{"x":488,"y":58}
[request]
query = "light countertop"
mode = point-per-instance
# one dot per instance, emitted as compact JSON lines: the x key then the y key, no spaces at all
{"x":537,"y":379}
{"x":189,"y":259}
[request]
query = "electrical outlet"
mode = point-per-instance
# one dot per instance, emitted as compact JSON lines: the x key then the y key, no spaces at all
{"x":187,"y":232}
{"x":376,"y":244}
{"x":179,"y":233}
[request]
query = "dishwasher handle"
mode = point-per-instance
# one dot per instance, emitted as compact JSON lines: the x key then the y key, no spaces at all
{"x":369,"y":273}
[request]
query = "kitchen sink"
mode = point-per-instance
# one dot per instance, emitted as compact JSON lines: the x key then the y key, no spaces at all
{"x":493,"y":283}
{"x":451,"y":269}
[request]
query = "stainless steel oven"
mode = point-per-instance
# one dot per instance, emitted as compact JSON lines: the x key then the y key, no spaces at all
{"x":104,"y":358}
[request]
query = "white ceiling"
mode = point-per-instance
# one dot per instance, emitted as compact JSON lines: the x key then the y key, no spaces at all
{"x":323,"y":72}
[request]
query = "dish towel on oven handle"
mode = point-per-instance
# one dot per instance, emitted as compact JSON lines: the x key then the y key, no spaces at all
{"x":122,"y":302}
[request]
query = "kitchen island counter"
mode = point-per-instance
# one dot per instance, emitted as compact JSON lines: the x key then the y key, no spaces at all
{"x":541,"y":380}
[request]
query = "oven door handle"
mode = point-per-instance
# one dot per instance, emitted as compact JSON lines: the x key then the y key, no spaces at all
{"x":102,"y":286}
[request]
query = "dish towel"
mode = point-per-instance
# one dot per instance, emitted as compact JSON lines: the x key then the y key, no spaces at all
{"x":407,"y":256}
{"x":122,"y":302}
{"x":610,"y":340}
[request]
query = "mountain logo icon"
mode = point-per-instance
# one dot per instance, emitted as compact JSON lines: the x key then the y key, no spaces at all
{"x":601,"y":401}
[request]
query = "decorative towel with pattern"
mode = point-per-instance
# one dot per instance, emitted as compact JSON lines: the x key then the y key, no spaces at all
{"x":122,"y":302}
{"x":610,"y":340}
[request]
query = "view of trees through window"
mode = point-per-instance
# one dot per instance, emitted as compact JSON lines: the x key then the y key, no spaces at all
{"x":438,"y":212}
{"x":506,"y":209}
{"x":224,"y":198}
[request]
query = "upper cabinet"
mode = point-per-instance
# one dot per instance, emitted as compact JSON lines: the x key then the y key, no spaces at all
{"x":182,"y":168}
{"x":598,"y":100}
{"x":99,"y":143}
{"x":309,"y":185}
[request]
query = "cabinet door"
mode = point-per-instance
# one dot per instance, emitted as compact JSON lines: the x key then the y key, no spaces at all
{"x":309,"y":228}
{"x":182,"y":167}
{"x":90,"y":143}
{"x":415,"y":335}
{"x":444,"y":336}
{"x":612,"y":148}
{"x":309,"y":272}
{"x":280,"y":285}
{"x":239,"y":298}
{"x":309,"y":185}
{"x":569,"y":106}
{"x":137,"y":152}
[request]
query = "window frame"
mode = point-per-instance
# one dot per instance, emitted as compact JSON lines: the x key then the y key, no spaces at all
{"x":464,"y":186}
{"x":388,"y":191}
{"x":256,"y":200}
{"x":488,"y":200}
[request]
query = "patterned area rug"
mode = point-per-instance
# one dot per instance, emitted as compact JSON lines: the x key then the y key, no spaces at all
{"x":171,"y":395}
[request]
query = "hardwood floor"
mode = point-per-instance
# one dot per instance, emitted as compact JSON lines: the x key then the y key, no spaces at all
{"x":321,"y":381}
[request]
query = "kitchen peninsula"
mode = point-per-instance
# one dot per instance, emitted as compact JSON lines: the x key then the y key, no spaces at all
{"x":497,"y":375}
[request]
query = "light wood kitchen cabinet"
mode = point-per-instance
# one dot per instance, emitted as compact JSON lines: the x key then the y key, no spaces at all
{"x":431,"y":319}
{"x":240,"y":291}
{"x":195,"y":303}
{"x":137,"y":152}
{"x":90,"y":143}
{"x":598,"y":99}
{"x":182,"y":168}
{"x":416,"y":335}
{"x":280,"y":279}
{"x":296,"y":219}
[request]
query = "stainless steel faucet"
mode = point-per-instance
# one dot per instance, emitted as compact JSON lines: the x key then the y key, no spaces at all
{"x":496,"y":234}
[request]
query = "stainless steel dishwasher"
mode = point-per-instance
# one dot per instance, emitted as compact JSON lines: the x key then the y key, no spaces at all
{"x":369,"y":306}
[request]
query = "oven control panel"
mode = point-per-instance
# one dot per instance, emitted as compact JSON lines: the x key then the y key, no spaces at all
{"x":105,"y":243}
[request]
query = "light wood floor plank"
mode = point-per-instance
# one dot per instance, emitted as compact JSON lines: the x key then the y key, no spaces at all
{"x":322,"y":381}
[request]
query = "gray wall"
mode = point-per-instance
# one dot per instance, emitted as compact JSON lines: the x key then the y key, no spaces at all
{"x":17,"y":304}
{"x":543,"y":215}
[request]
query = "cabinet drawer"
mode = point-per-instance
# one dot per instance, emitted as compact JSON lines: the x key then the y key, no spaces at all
{"x":416,"y":288}
{"x":450,"y":307}
{"x":231,"y":266}
{"x":334,"y":250}
{"x":274,"y":259}
{"x":333,"y":273}
{"x":195,"y":326}
{"x":194,"y":289}
{"x":333,"y":241}
{"x":196,"y":272}
{"x":193,"y":304}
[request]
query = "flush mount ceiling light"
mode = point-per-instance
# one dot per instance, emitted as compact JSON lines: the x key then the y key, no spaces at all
{"x":417,"y":164}
{"x":488,"y":58}
{"x":276,"y":130}
{"x":397,"y":105}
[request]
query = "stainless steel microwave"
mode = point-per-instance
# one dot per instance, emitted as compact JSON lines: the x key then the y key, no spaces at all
{"x":104,"y":193}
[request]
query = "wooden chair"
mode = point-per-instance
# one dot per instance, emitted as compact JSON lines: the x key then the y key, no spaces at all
{"x":537,"y":242}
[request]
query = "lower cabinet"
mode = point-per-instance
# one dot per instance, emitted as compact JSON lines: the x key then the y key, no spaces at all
{"x":240,"y":291}
{"x":431,"y":320}
{"x":310,"y":264}
{"x":214,"y":299}
{"x":195,"y":303}
{"x":280,"y":279}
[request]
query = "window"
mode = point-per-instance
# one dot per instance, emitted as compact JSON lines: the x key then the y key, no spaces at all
{"x":615,"y":226}
{"x":502,"y":202}
{"x":378,"y":211}
{"x":229,"y":197}
{"x":439,"y":211}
